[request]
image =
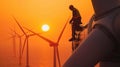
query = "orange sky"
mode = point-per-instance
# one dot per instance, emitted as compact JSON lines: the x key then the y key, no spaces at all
{"x":32,"y":14}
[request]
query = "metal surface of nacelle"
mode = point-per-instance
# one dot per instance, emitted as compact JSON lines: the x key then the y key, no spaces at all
{"x":103,"y":43}
{"x":103,"y":6}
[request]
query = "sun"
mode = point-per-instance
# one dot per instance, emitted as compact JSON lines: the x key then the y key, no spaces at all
{"x":45,"y":27}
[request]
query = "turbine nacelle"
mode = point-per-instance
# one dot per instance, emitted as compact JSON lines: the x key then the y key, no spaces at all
{"x":53,"y":44}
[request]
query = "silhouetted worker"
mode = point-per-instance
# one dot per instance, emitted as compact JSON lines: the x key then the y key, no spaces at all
{"x":75,"y":22}
{"x":102,"y":45}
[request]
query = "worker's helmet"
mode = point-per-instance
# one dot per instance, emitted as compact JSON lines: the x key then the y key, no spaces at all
{"x":71,"y":7}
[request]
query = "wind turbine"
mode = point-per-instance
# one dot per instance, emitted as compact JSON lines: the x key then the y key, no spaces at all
{"x":20,"y":44}
{"x":25,"y":42}
{"x":20,"y":47}
{"x":53,"y":44}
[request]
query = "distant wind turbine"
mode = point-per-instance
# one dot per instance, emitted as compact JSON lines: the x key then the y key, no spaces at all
{"x":53,"y":44}
{"x":25,"y":42}
{"x":20,"y":47}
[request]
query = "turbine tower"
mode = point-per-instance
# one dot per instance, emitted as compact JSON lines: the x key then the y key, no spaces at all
{"x":14,"y":43}
{"x":53,"y":44}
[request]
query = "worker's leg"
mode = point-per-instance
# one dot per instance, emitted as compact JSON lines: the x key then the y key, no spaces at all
{"x":73,"y":33}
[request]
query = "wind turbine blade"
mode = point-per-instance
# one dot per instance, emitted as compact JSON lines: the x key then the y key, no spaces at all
{"x":62,"y":31}
{"x":19,"y":26}
{"x":48,"y":40}
{"x":24,"y":45}
{"x":32,"y":34}
{"x":58,"y":56}
{"x":11,"y":29}
{"x":16,"y":33}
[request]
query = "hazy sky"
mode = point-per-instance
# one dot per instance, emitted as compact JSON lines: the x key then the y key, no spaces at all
{"x":32,"y":14}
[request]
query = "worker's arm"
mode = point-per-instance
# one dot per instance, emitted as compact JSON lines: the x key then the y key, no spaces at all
{"x":71,"y":21}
